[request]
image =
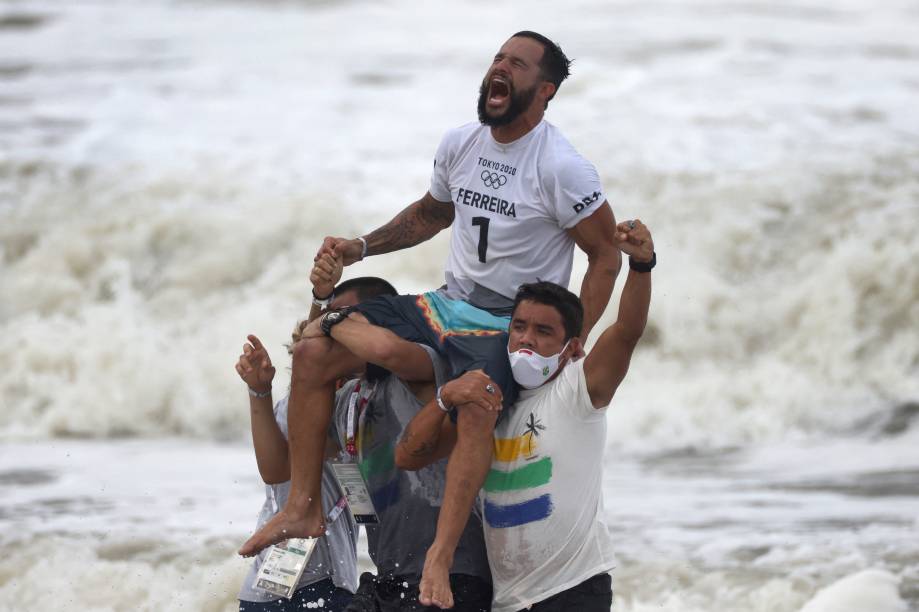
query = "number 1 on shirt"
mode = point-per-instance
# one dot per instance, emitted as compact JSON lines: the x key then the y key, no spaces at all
{"x":482,"y":222}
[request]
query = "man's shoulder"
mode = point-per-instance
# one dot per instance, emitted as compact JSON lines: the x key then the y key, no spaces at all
{"x":566,"y":384}
{"x":557,"y":151}
{"x":463,"y":133}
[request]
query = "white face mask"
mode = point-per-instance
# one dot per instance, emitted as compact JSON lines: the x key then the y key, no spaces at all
{"x":532,"y":369}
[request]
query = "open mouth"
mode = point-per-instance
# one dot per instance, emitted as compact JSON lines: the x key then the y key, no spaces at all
{"x":499,"y":90}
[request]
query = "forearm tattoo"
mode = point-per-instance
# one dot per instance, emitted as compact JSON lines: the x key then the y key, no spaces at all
{"x":414,"y":225}
{"x":421,"y":450}
{"x":436,"y":214}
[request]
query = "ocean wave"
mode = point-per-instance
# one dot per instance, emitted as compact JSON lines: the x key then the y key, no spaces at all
{"x":79,"y":573}
{"x":790,"y":311}
{"x":165,"y":191}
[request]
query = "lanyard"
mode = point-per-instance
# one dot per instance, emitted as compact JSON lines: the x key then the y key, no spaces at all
{"x":356,"y":404}
{"x":336,"y":510}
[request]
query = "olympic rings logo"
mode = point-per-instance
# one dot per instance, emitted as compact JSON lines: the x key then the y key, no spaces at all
{"x":493,"y":179}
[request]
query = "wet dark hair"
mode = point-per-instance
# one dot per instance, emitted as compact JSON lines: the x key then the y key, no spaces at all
{"x":366,"y":287}
{"x":566,"y":303}
{"x":554,"y":65}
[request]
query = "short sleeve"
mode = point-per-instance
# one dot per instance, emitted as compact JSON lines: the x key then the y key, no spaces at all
{"x":574,"y":190}
{"x":573,"y":389}
{"x":280,"y":415}
{"x":441,"y":368}
{"x":440,"y":176}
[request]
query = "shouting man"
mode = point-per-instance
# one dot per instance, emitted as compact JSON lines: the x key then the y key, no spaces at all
{"x":519,"y":198}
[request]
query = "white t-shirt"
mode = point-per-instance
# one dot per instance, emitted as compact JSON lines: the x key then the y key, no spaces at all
{"x":544,"y":528}
{"x":513,"y":204}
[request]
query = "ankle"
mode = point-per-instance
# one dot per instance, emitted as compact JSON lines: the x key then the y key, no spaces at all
{"x":439,"y":555}
{"x":299,"y":504}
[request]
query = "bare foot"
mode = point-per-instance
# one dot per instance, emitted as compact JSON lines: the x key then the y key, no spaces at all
{"x":434,"y":589}
{"x":285,"y":524}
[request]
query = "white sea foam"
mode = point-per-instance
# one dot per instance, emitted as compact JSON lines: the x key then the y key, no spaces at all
{"x":154,"y":524}
{"x":168,"y":179}
{"x":874,"y":590}
{"x":167,"y":171}
{"x":61,"y":573}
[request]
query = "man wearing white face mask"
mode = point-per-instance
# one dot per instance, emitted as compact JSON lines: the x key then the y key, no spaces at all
{"x":548,"y":545}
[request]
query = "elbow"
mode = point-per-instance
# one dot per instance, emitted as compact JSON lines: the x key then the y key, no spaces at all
{"x":402,"y":461}
{"x":607,"y":257}
{"x":274,"y":476}
{"x":631,"y":336}
{"x":613,"y":258}
{"x":408,"y":462}
{"x":274,"y":468}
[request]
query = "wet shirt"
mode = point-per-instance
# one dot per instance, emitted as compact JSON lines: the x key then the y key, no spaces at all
{"x":407,"y":503}
{"x":543,"y":506}
{"x":335,"y":556}
{"x":514,"y":203}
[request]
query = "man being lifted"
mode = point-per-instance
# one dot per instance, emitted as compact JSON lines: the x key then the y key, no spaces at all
{"x":518,"y":197}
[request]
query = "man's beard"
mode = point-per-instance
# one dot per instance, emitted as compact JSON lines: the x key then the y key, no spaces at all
{"x":520,"y":101}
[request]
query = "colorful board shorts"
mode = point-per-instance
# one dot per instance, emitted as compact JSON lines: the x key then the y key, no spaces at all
{"x":467,"y":337}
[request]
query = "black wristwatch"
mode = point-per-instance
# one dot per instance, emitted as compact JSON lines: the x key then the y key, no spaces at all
{"x":333,"y":318}
{"x":643,"y":266}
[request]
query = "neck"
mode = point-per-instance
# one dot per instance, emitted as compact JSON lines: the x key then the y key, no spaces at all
{"x":519,"y":127}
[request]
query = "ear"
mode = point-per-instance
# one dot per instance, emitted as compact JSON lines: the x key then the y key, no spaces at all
{"x":575,"y":349}
{"x":547,"y":90}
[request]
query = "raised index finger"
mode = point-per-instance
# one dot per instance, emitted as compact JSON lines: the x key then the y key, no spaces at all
{"x":255,"y":342}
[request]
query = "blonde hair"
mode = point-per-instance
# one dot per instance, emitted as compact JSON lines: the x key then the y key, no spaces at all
{"x":296,"y":335}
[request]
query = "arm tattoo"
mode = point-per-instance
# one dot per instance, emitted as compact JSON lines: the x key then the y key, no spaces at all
{"x":417,"y":223}
{"x":423,"y":449}
{"x":437,"y":214}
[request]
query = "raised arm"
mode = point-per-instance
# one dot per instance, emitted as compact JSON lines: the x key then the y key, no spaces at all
{"x":418,"y":222}
{"x":608,"y":361}
{"x":595,"y":236}
{"x":326,"y":273}
{"x":254,"y":367}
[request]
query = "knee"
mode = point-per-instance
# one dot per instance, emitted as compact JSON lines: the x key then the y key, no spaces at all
{"x":309,"y":356}
{"x":475,"y":420}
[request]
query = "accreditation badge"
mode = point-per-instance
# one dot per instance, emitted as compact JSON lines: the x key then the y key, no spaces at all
{"x":284,"y":563}
{"x":283,"y":566}
{"x":352,"y":483}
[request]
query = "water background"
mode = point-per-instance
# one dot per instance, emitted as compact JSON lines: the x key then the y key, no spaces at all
{"x":167,"y":170}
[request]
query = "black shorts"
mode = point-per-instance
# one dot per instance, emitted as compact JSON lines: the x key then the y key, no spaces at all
{"x":400,"y":594}
{"x":467,"y":337}
{"x":593,"y":595}
{"x":334,"y":599}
